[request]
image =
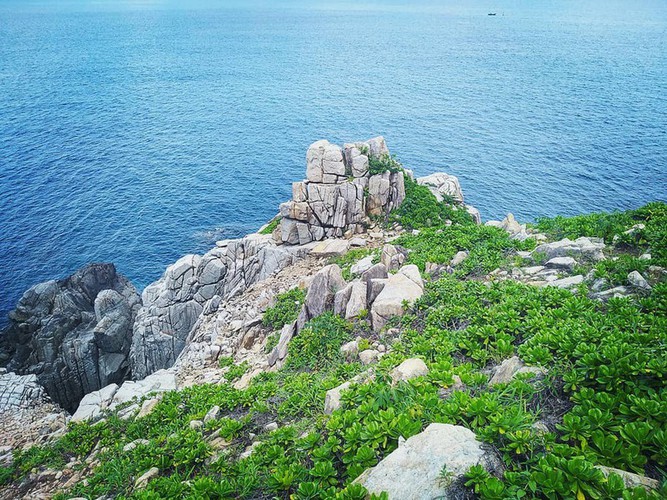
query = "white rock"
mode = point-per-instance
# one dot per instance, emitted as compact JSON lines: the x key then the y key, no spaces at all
{"x":331,"y":248}
{"x":404,"y":286}
{"x":142,"y":481}
{"x":409,"y":369}
{"x":458,"y":258}
{"x":363,"y":265}
{"x":369,"y":356}
{"x":561,"y":263}
{"x":413,"y":470}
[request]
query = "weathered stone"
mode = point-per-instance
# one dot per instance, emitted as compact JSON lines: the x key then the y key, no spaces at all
{"x":320,"y":296}
{"x":174,"y":305}
{"x":331,"y":248}
{"x":458,"y":258}
{"x":567,"y":263}
{"x":511,"y":367}
{"x":409,"y":369}
{"x":589,"y":248}
{"x":392,"y":257}
{"x":279,"y":352}
{"x":143,"y":480}
{"x":441,"y":184}
{"x":75,"y":334}
{"x":404,"y":286}
{"x":567,"y":282}
{"x":212,"y":414}
{"x":350,"y":350}
{"x":357,"y":300}
{"x":636,"y":280}
{"x":369,"y":356}
{"x":362,"y":265}
{"x":630,"y":479}
{"x":413,"y":470}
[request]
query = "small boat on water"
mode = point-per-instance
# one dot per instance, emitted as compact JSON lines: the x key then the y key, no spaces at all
{"x":492,"y":13}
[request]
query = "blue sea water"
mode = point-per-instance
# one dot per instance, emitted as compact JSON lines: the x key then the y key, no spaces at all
{"x":138,"y":131}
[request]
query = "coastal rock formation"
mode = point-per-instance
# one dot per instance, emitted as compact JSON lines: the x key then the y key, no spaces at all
{"x":444,"y":185}
{"x":339,"y":193}
{"x":414,"y":470}
{"x":172,"y":306}
{"x":73,"y":334}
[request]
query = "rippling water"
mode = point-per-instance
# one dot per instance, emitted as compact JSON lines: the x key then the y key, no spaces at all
{"x":136,"y":132}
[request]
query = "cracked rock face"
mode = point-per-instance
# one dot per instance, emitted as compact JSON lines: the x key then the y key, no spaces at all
{"x":172,"y":306}
{"x":338,"y":195}
{"x":73,"y":334}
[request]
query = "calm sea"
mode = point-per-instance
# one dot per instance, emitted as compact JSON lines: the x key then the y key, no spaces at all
{"x":136,"y":132}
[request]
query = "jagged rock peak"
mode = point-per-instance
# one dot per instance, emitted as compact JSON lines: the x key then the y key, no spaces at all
{"x":339,"y":193}
{"x":74,"y":334}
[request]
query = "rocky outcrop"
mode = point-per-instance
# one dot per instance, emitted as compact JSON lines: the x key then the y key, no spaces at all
{"x":73,"y":334}
{"x":447,"y":186}
{"x":414,"y":470}
{"x":194,"y":284}
{"x":339,"y":194}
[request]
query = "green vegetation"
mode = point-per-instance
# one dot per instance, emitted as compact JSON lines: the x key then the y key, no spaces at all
{"x":285,"y":310}
{"x":603,"y":400}
{"x":383,"y":163}
{"x":271,"y":226}
{"x":422,"y":210}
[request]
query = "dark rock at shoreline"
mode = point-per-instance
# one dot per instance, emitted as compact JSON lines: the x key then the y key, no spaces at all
{"x":74,"y":334}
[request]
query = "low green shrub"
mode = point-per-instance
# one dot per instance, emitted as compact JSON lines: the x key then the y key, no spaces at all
{"x":285,"y":310}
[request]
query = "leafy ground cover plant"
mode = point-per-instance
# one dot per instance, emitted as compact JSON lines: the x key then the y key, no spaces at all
{"x":285,"y":310}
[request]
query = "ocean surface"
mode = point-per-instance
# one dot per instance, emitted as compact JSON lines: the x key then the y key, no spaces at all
{"x":138,"y":131}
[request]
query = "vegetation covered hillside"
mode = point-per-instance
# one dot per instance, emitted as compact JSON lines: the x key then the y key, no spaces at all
{"x":599,"y":400}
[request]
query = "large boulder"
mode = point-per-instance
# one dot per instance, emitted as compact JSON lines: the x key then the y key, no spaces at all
{"x":442,"y":185}
{"x":413,"y":470}
{"x":321,"y":293}
{"x":404,"y":286}
{"x":74,"y":334}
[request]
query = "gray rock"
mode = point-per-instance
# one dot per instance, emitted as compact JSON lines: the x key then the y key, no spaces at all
{"x":617,"y":292}
{"x":322,"y":290}
{"x":404,"y":286}
{"x":350,"y":350}
{"x":637,"y":281}
{"x":413,"y":470}
{"x":362,"y":265}
{"x":567,"y":263}
{"x":369,"y":356}
{"x":409,"y":369}
{"x":630,"y":479}
{"x":568,"y":282}
{"x":510,"y":368}
{"x":357,"y":301}
{"x":212,"y":414}
{"x":279,"y":352}
{"x":75,"y":334}
{"x":143,"y":480}
{"x":392,"y":257}
{"x":378,"y":271}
